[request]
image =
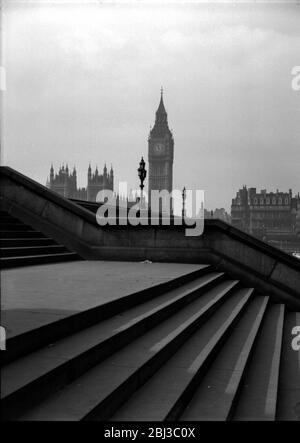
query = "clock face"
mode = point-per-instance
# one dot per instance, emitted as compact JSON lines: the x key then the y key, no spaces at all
{"x":159,"y":148}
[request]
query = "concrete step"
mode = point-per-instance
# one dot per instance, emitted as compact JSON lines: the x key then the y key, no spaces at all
{"x":156,"y":300}
{"x":14,"y":262}
{"x":218,"y":389}
{"x":20,"y":234}
{"x":25,"y":242}
{"x":142,"y":341}
{"x":108,"y":336}
{"x":289,"y":377}
{"x":25,"y":343}
{"x":7,"y":218}
{"x":14,"y":226}
{"x":165,"y":395}
{"x":32,"y":250}
{"x":258,"y":395}
{"x":23,"y":246}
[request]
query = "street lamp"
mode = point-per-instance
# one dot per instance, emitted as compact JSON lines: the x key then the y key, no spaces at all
{"x":183,"y":202}
{"x":142,"y":175}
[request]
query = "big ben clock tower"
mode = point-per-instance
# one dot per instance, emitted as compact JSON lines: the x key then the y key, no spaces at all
{"x":160,"y":152}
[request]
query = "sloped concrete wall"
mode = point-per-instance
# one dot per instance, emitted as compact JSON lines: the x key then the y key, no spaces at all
{"x":254,"y":262}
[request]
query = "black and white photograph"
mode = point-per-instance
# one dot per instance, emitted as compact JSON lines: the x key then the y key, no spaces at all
{"x":150,"y":215}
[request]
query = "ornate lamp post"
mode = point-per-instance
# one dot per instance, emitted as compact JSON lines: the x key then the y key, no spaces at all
{"x":142,"y":175}
{"x":183,"y":202}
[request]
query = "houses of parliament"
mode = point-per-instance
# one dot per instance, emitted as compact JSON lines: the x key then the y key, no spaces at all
{"x":64,"y":182}
{"x":160,"y":164}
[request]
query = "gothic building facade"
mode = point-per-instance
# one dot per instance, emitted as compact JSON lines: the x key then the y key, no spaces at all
{"x":98,"y":182}
{"x":64,"y":182}
{"x":160,"y":152}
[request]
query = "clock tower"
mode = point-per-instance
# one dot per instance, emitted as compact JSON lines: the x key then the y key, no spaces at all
{"x":160,"y":152}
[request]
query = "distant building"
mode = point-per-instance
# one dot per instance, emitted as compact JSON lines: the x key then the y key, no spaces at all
{"x":298,"y":215}
{"x":98,"y":182}
{"x":270,"y":216}
{"x":218,"y":213}
{"x":64,"y":182}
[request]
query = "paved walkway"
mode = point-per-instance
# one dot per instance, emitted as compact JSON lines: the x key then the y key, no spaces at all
{"x":35,"y":295}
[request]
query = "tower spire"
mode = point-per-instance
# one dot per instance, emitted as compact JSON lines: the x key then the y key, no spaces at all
{"x":161,"y":119}
{"x":161,"y":113}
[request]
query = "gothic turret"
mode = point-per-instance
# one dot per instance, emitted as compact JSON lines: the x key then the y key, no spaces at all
{"x":105,"y":170}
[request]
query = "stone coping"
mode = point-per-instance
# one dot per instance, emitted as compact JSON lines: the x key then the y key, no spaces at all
{"x":210,"y":224}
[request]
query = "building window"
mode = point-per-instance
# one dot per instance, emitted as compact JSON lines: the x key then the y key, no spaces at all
{"x":274,"y":201}
{"x":268,"y":201}
{"x":261,"y":201}
{"x":255,"y":201}
{"x":286,"y":201}
{"x":280,"y":201}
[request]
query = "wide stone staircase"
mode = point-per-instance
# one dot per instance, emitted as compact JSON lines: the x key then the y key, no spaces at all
{"x":198,"y":347}
{"x":21,"y":245}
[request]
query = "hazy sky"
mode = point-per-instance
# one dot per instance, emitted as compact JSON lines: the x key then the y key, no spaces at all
{"x":83,"y":84}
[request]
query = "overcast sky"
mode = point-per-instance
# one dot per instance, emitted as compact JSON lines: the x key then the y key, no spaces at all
{"x":83,"y":84}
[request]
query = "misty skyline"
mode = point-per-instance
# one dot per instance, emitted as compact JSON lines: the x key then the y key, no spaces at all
{"x":83,"y":84}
